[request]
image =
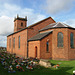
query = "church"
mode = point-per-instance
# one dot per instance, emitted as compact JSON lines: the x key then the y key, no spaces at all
{"x":45,"y":39}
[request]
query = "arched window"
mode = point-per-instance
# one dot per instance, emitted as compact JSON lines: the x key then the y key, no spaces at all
{"x":60,"y":39}
{"x":71,"y":40}
{"x":47,"y":45}
{"x":19,"y":42}
{"x":14,"y":43}
{"x":9,"y":43}
{"x":35,"y":51}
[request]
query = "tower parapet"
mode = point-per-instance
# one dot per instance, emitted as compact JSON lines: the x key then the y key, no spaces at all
{"x":19,"y":23}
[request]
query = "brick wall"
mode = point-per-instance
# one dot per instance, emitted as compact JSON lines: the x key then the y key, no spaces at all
{"x":43,"y":48}
{"x":9,"y":49}
{"x":17,"y":25}
{"x":59,"y":53}
{"x":32,"y":31}
{"x":27,"y":33}
{"x":71,"y":50}
{"x":31,"y":51}
{"x":22,"y":51}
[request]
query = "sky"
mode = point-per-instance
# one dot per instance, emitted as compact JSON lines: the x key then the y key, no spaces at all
{"x":35,"y":10}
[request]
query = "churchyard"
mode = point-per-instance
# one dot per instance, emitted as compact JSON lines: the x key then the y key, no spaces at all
{"x":10,"y":64}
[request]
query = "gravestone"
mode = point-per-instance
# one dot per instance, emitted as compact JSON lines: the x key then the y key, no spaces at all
{"x":45,"y":63}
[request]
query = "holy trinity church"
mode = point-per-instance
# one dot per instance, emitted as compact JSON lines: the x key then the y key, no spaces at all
{"x":45,"y":39}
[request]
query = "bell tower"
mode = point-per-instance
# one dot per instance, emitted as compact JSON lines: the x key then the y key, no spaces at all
{"x":20,"y":23}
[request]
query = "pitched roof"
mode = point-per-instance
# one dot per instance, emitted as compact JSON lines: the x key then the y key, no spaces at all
{"x":40,"y":22}
{"x":56,"y":25}
{"x":40,"y":36}
{"x":31,"y":26}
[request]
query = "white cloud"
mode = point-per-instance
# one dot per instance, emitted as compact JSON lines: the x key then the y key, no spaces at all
{"x":57,"y":6}
{"x":6,"y":25}
{"x":7,"y":14}
{"x":70,"y":22}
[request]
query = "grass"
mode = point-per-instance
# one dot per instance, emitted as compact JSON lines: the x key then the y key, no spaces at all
{"x":66,"y":68}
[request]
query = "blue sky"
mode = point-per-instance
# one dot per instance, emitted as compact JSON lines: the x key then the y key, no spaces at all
{"x":35,"y":10}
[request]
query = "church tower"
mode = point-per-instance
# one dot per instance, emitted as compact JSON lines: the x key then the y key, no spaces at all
{"x":20,"y":23}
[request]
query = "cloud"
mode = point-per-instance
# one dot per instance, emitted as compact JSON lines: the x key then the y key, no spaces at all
{"x":6,"y":25}
{"x":57,"y":6}
{"x":3,"y":41}
{"x":70,"y":22}
{"x":7,"y":14}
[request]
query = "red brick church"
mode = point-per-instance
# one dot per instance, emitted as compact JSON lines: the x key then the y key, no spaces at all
{"x":45,"y":39}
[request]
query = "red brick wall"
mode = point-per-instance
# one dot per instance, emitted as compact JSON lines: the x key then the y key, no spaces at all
{"x":17,"y":25}
{"x":43,"y":48}
{"x":9,"y":49}
{"x":32,"y":45}
{"x":23,"y":43}
{"x":59,"y":53}
{"x":71,"y":50}
{"x":35,"y":29}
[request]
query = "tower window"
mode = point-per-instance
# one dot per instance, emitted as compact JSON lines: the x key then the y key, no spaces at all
{"x":21,"y":24}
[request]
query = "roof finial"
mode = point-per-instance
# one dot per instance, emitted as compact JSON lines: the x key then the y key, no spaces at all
{"x":17,"y":16}
{"x":26,"y":17}
{"x":14,"y":18}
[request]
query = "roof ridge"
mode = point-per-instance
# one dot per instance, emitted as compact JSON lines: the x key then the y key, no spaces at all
{"x":56,"y":24}
{"x":60,"y":23}
{"x":64,"y":24}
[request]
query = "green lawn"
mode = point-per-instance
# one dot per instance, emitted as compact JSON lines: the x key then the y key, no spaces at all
{"x":66,"y":68}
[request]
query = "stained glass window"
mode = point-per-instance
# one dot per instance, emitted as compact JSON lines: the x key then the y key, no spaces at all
{"x":71,"y":40}
{"x":60,"y":39}
{"x":19,"y":41}
{"x":47,"y":44}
